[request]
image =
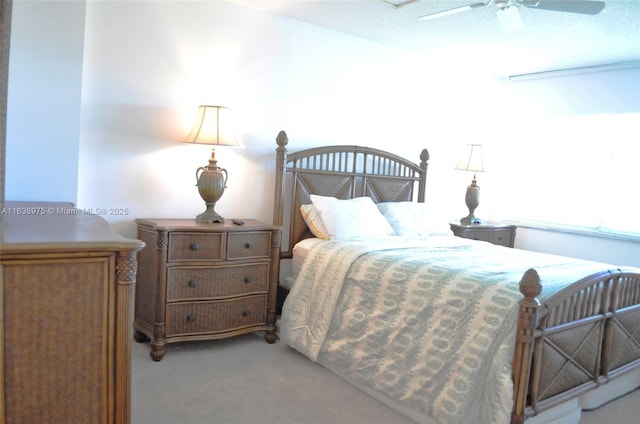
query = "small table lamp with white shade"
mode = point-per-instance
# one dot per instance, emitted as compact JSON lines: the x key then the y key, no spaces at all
{"x":213,"y":127}
{"x":472,"y":161}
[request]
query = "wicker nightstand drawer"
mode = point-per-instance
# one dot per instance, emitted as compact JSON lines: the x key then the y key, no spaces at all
{"x":212,"y":317}
{"x":223,"y":281}
{"x":478,"y":235}
{"x":194,"y":247}
{"x":249,"y":245}
{"x":500,"y":234}
{"x":502,"y":237}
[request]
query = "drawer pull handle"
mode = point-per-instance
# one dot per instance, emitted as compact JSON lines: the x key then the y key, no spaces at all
{"x":247,"y":279}
{"x":191,"y":318}
{"x":245,"y":312}
{"x":249,"y":245}
{"x":194,"y":246}
{"x":192,"y":283}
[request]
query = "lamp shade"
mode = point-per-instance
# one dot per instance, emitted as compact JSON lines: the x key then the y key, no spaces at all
{"x":213,"y":126}
{"x":472,"y":159}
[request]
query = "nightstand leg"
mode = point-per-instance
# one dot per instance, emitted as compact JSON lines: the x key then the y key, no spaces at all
{"x":157,"y":351}
{"x":270,"y":336}
{"x":157,"y":343}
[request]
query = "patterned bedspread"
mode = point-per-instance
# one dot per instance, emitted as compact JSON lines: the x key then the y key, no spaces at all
{"x":428,"y":322}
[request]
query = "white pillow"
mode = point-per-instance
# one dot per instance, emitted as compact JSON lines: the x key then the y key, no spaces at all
{"x":357,"y":217}
{"x":407,"y":218}
{"x":312,"y":218}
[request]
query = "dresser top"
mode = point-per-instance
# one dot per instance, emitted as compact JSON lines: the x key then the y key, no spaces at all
{"x":164,"y":224}
{"x":57,"y":227}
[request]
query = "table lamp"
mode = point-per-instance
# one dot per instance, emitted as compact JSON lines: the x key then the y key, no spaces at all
{"x":472,"y":161}
{"x":212,"y":127}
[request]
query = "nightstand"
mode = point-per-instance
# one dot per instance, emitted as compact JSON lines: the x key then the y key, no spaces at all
{"x":201,"y":281}
{"x":500,"y":234}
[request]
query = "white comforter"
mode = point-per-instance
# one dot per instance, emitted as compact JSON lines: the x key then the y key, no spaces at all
{"x":428,"y":322}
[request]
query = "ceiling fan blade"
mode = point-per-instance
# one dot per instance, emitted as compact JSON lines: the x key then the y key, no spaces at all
{"x":586,"y":7}
{"x":453,"y":10}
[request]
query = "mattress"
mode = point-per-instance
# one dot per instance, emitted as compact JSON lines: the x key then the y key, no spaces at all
{"x":300,"y":252}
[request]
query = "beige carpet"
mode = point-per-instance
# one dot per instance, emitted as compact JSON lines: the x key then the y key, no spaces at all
{"x":244,"y":380}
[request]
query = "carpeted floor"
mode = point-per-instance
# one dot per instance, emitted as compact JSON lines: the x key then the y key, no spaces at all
{"x":244,"y":380}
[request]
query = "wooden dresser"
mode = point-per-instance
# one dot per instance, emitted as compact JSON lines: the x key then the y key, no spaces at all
{"x":66,"y":281}
{"x":205,"y":281}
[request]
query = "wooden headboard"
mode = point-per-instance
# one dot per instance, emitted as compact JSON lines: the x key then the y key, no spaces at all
{"x":344,"y":172}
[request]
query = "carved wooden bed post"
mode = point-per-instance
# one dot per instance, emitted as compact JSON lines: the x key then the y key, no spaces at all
{"x":530,"y":287}
{"x":281,"y":158}
{"x":422,"y":184}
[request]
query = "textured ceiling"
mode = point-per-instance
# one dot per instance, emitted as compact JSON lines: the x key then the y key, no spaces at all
{"x":548,"y":40}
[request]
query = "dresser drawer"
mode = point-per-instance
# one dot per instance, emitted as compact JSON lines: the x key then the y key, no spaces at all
{"x":496,"y":233}
{"x":246,"y":245}
{"x":501,"y":237}
{"x":215,"y":317}
{"x":184,"y":283}
{"x":478,"y":235}
{"x":195,"y":246}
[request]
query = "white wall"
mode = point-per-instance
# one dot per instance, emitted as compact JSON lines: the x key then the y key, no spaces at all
{"x":43,"y":116}
{"x":148,"y":65}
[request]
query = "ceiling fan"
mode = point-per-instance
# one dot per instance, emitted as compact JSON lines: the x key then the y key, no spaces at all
{"x":588,"y":7}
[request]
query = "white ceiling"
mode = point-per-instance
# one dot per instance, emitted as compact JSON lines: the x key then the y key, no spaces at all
{"x":474,"y":39}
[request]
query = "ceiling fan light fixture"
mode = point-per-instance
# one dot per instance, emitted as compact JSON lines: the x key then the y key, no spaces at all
{"x":586,"y":7}
{"x":509,"y":18}
{"x":453,"y":11}
{"x":508,"y":14}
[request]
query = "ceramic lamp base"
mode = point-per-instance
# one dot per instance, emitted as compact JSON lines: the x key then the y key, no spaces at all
{"x":209,"y":216}
{"x":467,"y":220}
{"x":472,"y":199}
{"x":211,"y":181}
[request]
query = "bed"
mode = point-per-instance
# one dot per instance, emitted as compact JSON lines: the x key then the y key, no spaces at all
{"x":441,"y":328}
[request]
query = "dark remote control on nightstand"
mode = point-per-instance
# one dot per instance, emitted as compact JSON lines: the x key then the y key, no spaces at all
{"x":237,"y":221}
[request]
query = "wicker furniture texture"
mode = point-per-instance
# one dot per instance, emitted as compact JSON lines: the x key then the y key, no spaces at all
{"x":577,"y":340}
{"x":200,"y":281}
{"x":66,"y":324}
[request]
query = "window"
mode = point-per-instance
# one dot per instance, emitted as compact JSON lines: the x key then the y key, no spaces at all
{"x":579,"y":172}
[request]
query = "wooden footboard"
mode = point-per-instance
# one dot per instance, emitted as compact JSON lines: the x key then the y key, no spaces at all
{"x":576,"y":340}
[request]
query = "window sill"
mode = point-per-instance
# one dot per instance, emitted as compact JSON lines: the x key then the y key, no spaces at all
{"x":581,"y":231}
